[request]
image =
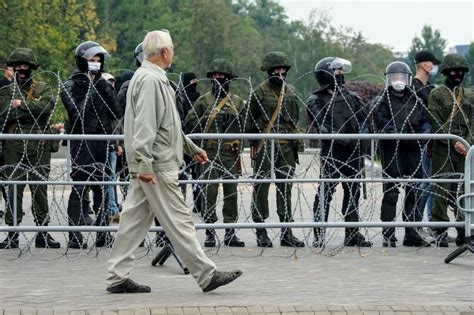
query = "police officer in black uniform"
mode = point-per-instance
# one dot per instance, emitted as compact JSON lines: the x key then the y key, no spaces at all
{"x":91,"y":104}
{"x":400,"y":110}
{"x":333,"y":109}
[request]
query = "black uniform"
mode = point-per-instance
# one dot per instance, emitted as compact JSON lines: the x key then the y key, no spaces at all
{"x":92,"y":109}
{"x":342,"y":112}
{"x":400,"y":158}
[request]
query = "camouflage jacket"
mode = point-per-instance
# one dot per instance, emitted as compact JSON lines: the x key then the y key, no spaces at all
{"x":264,"y":102}
{"x":32,"y":116}
{"x":447,"y":117}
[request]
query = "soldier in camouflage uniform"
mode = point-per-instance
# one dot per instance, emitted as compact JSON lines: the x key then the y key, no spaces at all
{"x":451,"y":111}
{"x":219,"y":111}
{"x":25,"y":107}
{"x":274,"y":109}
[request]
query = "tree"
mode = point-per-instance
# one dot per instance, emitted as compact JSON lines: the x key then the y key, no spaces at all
{"x":470,"y":61}
{"x":430,"y":40}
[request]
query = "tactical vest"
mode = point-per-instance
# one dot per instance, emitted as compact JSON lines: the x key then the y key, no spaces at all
{"x":406,"y":113}
{"x":340,"y":113}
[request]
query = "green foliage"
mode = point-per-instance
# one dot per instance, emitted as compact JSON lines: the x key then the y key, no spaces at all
{"x":470,"y":62}
{"x":203,"y":30}
{"x":430,"y":40}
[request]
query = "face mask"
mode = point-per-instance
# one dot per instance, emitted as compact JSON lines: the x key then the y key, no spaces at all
{"x":398,"y":86}
{"x":277,"y":78}
{"x":433,"y":70}
{"x":455,"y":79}
{"x":25,"y":72}
{"x":220,"y":87}
{"x":93,"y":67}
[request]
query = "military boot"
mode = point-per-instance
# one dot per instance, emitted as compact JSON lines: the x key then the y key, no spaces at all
{"x":288,"y":239}
{"x":412,"y":238}
{"x":232,"y":240}
{"x":210,"y":240}
{"x":355,"y":238}
{"x":262,"y":238}
{"x":11,"y":241}
{"x":45,"y":240}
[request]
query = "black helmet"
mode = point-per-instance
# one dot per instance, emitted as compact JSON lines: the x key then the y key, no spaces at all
{"x":324,"y":74}
{"x":324,"y":70}
{"x":87,"y":50}
{"x":138,"y":54}
{"x":23,"y":56}
{"x":398,"y":75}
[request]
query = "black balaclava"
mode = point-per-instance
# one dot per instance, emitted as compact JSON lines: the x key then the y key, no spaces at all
{"x":26,"y":72}
{"x":453,"y":80}
{"x":274,"y":78}
{"x":220,"y":87}
{"x":187,"y":78}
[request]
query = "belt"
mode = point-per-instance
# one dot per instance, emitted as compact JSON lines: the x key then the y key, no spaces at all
{"x":229,"y":144}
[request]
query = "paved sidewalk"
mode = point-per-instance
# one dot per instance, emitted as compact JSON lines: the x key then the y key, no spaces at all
{"x":277,"y":281}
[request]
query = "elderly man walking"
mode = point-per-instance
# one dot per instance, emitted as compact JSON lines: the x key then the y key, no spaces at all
{"x":155,"y":144}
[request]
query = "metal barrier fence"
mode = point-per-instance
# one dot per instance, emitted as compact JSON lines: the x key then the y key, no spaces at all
{"x":469,"y":184}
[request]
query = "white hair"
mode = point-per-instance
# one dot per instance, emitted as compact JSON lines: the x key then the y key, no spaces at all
{"x":155,"y":42}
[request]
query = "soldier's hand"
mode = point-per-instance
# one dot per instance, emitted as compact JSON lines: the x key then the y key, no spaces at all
{"x":460,"y":148}
{"x":15,"y":103}
{"x":147,"y":178}
{"x":201,"y":157}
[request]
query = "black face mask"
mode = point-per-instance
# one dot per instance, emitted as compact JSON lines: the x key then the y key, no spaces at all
{"x":22,"y":80}
{"x":455,"y":79}
{"x":220,"y":87}
{"x":191,"y":88}
{"x":275,"y":79}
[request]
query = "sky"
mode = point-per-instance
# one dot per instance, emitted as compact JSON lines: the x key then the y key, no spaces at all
{"x":393,"y":23}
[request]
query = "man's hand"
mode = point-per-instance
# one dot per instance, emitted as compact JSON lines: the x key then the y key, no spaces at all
{"x":201,"y":157}
{"x":460,"y":148}
{"x":15,"y":103}
{"x":147,"y":178}
{"x":118,"y":150}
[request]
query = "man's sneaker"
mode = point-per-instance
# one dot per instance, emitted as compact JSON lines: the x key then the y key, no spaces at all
{"x":129,"y":286}
{"x":221,"y":278}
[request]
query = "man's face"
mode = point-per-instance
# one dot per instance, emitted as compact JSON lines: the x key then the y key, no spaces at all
{"x":168,"y":54}
{"x":457,"y":75}
{"x":218,"y":75}
{"x":95,"y":58}
{"x":8,"y":73}
{"x":21,"y":69}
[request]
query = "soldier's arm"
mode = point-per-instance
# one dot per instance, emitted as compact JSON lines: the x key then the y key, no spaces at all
{"x":437,"y":116}
{"x":193,"y":122}
{"x":253,"y":113}
{"x":41,"y":104}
